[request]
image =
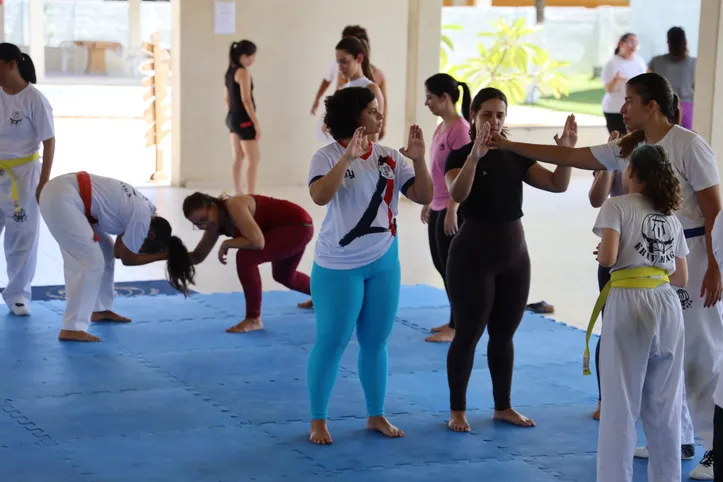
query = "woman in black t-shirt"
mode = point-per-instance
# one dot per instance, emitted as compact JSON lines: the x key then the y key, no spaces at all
{"x":488,"y":270}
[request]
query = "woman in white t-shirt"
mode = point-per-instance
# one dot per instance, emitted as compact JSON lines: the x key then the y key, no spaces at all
{"x":643,"y":245}
{"x":81,"y":211}
{"x":355,"y":280}
{"x":624,"y":65}
{"x":352,"y":56}
{"x":650,"y":111}
{"x":334,"y":76}
{"x":26,"y":122}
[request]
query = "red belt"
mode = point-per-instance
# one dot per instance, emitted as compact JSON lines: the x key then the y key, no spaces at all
{"x":86,"y":194}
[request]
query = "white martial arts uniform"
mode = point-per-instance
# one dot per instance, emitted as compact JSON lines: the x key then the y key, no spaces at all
{"x":26,"y":120}
{"x":89,"y":266}
{"x":695,"y":164}
{"x":641,"y":360}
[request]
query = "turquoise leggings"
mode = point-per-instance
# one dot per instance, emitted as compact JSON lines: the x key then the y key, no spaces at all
{"x":366,"y":298}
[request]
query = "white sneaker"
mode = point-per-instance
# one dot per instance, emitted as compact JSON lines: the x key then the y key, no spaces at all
{"x":704,"y":470}
{"x":20,"y":309}
{"x":641,"y":453}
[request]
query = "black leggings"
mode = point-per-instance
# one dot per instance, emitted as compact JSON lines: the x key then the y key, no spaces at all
{"x":718,"y":444}
{"x":488,"y":278}
{"x":439,"y":245}
{"x":603,"y":276}
{"x":615,"y":122}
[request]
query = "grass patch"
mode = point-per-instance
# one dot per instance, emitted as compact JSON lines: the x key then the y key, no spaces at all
{"x":585,"y":97}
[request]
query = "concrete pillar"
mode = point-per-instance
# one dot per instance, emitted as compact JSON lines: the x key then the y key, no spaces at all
{"x":423,"y":44}
{"x":134,"y":24}
{"x":36,"y":16}
{"x":2,"y":22}
{"x":708,"y":110}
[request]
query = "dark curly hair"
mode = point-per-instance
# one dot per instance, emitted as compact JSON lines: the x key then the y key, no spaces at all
{"x":649,"y":164}
{"x":343,"y":110}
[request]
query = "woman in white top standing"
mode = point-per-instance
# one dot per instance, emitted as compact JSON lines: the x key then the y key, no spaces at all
{"x":650,"y":111}
{"x":624,"y":65}
{"x":356,"y":277}
{"x":26,"y":122}
{"x":81,"y":211}
{"x":352,"y":56}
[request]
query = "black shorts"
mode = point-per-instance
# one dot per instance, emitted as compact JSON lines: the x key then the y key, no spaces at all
{"x":243,"y":128}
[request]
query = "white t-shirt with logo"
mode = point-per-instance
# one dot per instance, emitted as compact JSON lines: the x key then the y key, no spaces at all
{"x":121,"y":210}
{"x":647,"y":237}
{"x":360,"y":223}
{"x":692,"y":159}
{"x":717,"y":241}
{"x":613,"y":101}
{"x":26,"y":120}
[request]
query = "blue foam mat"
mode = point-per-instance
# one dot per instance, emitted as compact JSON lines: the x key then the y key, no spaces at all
{"x":173,"y":397}
{"x":127,"y":289}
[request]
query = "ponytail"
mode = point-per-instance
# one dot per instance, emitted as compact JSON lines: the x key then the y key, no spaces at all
{"x":466,"y":102}
{"x":233,"y":56}
{"x":179,"y":267}
{"x":676,"y":115}
{"x":630,"y":142}
{"x":26,"y":67}
{"x":650,"y":165}
{"x":367,"y":69}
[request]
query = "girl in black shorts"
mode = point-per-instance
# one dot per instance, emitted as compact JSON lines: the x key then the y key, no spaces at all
{"x":241,"y":120}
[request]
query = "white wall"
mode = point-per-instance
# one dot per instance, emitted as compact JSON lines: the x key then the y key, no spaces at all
{"x":295,"y":42}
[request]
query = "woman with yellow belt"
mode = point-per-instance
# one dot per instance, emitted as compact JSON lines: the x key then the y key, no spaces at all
{"x":649,"y":112}
{"x":26,"y":121}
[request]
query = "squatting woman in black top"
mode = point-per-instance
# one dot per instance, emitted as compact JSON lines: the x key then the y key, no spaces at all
{"x":488,"y":270}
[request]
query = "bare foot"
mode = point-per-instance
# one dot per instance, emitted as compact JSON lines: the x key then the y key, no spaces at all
{"x":596,"y":413}
{"x":458,"y":421}
{"x":72,"y":335}
{"x":320,"y":433}
{"x":249,"y":324}
{"x":108,"y":316}
{"x":512,"y":416}
{"x":306,"y":305}
{"x":441,"y":328}
{"x":444,"y":336}
{"x":382,"y":425}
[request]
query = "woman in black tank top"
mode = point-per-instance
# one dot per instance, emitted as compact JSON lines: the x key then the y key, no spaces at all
{"x":241,"y":119}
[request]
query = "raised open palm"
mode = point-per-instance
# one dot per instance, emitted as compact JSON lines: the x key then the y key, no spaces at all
{"x":569,"y":133}
{"x":415,"y":144}
{"x":357,"y":147}
{"x":481,"y":141}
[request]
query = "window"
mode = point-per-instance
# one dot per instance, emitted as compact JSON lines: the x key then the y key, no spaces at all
{"x":459,"y":3}
{"x":561,"y":3}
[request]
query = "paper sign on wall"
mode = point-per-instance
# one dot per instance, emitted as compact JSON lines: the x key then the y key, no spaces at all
{"x":224,"y":17}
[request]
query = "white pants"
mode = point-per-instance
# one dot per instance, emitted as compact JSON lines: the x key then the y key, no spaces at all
{"x":703,"y":343}
{"x":641,"y":376}
{"x":88,"y":265}
{"x":22,"y":231}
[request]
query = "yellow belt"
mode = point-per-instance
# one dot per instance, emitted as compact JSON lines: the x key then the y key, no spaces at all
{"x":7,"y":166}
{"x":644,"y":277}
